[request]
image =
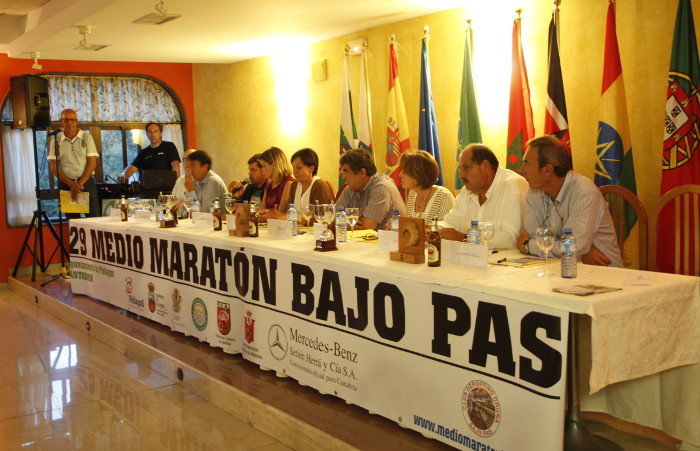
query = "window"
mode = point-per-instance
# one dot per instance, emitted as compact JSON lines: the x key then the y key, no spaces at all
{"x":113,"y":109}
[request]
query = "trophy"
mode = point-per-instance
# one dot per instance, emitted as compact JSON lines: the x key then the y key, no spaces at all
{"x":325,"y":215}
{"x":167,"y":201}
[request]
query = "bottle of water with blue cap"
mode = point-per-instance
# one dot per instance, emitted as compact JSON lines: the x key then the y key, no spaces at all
{"x":341,"y":226}
{"x":567,"y":250}
{"x":293,"y":218}
{"x":474,"y":233}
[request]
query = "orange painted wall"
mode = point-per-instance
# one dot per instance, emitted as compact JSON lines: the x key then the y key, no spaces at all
{"x":177,"y":76}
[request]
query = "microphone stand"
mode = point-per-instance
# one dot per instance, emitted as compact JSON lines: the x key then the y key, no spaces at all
{"x":64,"y":273}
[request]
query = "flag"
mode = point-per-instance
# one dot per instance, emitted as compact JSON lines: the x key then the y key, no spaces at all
{"x":427,"y":126}
{"x":364,"y":123}
{"x":397,"y":141}
{"x":613,"y":163}
{"x":520,"y":124}
{"x":556,"y":121}
{"x":680,"y":161}
{"x":348,"y":135}
{"x":469,"y":129}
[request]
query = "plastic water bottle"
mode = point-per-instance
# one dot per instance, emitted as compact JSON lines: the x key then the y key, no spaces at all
{"x":474,"y":233}
{"x":341,"y":226}
{"x":292,"y":216}
{"x":395,"y":221}
{"x":567,"y":249}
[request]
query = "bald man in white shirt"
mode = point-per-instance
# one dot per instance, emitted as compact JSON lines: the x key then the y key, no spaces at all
{"x":490,"y":194}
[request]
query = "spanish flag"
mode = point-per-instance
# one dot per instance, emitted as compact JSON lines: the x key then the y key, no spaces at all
{"x":397,"y":141}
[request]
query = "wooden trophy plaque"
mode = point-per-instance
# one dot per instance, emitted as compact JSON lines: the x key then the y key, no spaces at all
{"x":329,"y":245}
{"x":242,"y":212}
{"x":411,"y":241}
{"x":169,"y":223}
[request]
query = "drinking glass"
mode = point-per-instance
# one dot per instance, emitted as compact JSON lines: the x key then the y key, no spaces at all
{"x":307,"y":212}
{"x":545,"y":241}
{"x":230,"y":204}
{"x":353,"y":214}
{"x":486,"y":232}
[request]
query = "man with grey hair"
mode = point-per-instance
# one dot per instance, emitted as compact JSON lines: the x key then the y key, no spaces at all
{"x":559,"y":198}
{"x":72,"y":159}
{"x":491,"y":194}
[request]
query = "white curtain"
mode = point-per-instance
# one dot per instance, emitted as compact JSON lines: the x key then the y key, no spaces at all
{"x":18,"y":162}
{"x":111,"y":99}
{"x":173,"y":133}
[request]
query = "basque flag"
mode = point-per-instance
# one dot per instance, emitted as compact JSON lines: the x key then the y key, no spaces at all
{"x":427,"y":127}
{"x":397,"y":141}
{"x":348,"y":135}
{"x":556,"y":121}
{"x":680,"y":160}
{"x":613,"y":162}
{"x":469,"y":129}
{"x":520,"y":123}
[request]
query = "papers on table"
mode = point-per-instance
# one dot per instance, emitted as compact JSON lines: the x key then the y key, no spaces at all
{"x":524,"y":262}
{"x":585,"y":289}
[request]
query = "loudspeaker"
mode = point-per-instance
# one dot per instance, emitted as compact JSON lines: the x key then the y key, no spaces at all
{"x":30,"y":101}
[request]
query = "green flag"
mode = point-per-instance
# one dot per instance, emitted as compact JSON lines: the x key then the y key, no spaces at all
{"x":469,"y":130}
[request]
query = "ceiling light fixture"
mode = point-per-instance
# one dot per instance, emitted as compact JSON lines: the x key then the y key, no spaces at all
{"x":84,"y":30}
{"x":35,"y":57}
{"x":160,"y":17}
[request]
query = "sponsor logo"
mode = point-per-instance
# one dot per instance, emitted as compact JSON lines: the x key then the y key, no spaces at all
{"x":223,"y":317}
{"x":277,"y":341}
{"x":199,"y":314}
{"x":177,"y":300}
{"x":481,"y":408}
{"x":129,"y":286}
{"x":249,"y":324}
{"x":151,"y":297}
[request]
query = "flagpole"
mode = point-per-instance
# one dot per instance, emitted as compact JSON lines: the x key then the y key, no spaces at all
{"x":556,"y":20}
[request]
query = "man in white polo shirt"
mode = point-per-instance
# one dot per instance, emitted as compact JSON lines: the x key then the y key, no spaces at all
{"x":77,"y":159}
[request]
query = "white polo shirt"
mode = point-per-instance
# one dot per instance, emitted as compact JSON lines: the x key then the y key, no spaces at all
{"x":73,"y":153}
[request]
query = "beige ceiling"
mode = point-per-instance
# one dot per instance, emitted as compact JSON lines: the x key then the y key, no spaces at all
{"x":209,"y":31}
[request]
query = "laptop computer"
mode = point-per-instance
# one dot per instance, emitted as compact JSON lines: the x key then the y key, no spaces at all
{"x":158,"y":180}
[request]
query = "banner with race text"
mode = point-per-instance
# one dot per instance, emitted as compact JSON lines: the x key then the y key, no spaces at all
{"x":474,"y":371}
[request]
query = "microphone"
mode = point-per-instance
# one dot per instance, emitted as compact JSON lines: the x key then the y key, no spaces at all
{"x":245,"y":182}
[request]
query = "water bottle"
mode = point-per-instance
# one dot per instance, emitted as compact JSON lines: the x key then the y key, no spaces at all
{"x":474,"y":233}
{"x":341,"y":226}
{"x":567,"y":249}
{"x":395,"y":221}
{"x":292,"y":216}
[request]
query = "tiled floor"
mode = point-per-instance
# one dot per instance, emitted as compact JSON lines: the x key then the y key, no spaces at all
{"x":61,"y":389}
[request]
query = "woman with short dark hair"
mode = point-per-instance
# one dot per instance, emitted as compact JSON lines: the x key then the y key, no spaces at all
{"x":308,"y":188}
{"x":419,"y":172}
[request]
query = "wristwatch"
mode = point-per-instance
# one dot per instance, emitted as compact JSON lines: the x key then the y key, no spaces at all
{"x":464,"y":238}
{"x":525,"y":248}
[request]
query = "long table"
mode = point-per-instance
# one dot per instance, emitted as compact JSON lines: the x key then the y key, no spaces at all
{"x":472,"y":357}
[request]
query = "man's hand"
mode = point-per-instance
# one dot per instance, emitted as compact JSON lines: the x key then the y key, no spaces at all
{"x":449,"y":233}
{"x":189,"y":182}
{"x":595,"y":257}
{"x":236,"y":185}
{"x":75,"y":189}
{"x":522,"y":236}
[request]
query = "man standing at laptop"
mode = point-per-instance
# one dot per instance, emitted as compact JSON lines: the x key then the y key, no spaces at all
{"x":77,"y":159}
{"x":159,"y":156}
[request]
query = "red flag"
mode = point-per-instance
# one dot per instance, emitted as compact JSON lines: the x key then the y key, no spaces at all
{"x":520,"y":125}
{"x":397,"y":141}
{"x":556,"y":121}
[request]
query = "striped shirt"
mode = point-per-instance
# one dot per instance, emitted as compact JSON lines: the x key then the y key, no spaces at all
{"x":441,"y":202}
{"x":579,"y":205}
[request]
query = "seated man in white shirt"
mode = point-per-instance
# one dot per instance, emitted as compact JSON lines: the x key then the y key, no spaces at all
{"x":560,"y":198}
{"x":184,"y":183}
{"x":208,"y":185}
{"x":490,"y":194}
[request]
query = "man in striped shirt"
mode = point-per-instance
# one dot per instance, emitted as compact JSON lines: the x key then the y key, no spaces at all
{"x":559,"y":198}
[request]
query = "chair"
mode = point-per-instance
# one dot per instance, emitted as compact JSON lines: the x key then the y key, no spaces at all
{"x":618,"y":198}
{"x":684,"y":228}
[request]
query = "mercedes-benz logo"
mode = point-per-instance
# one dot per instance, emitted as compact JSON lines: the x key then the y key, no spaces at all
{"x":277,"y":341}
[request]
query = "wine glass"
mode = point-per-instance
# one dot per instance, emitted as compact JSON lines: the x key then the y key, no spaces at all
{"x":352,"y":214}
{"x":545,"y":241}
{"x":194,"y":207}
{"x":487,"y":232}
{"x":307,"y":212}
{"x":230,"y":204}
